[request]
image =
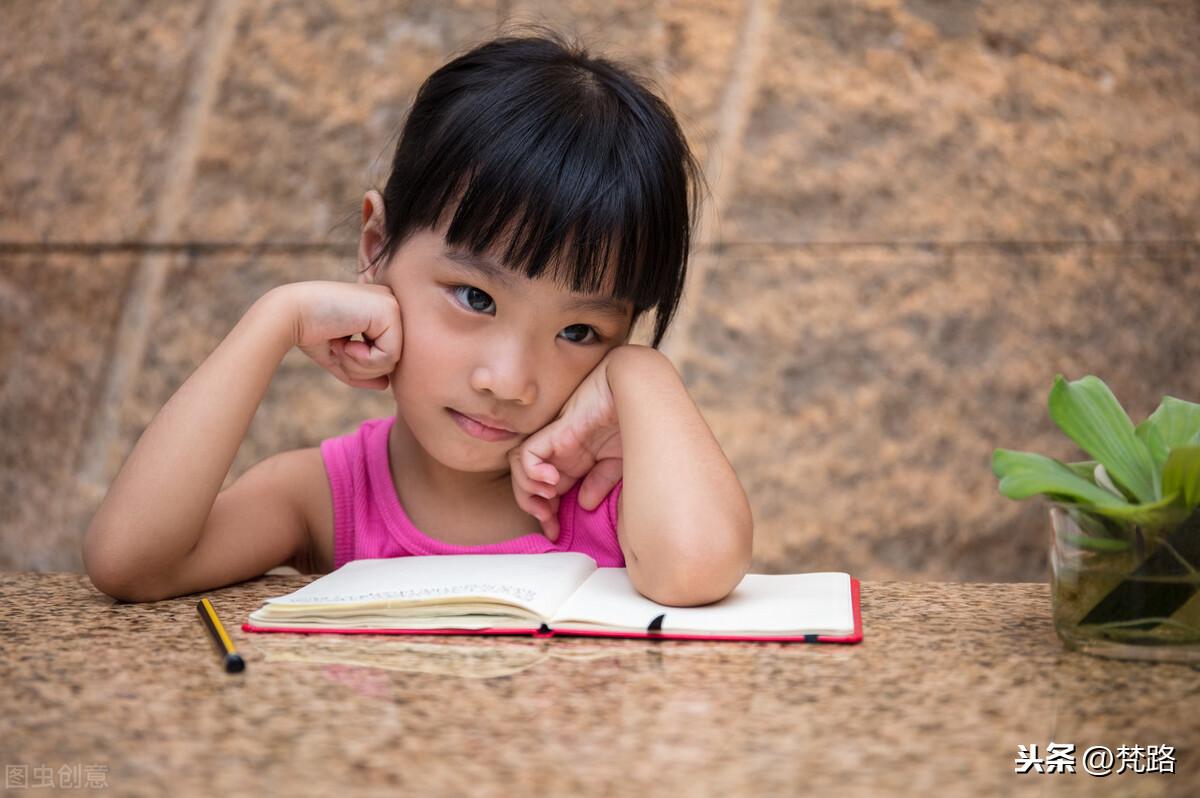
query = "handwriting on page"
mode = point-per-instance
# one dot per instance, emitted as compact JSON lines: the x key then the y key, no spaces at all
{"x":414,"y":594}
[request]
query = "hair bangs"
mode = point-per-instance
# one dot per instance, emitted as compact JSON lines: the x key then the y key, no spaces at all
{"x":554,"y":164}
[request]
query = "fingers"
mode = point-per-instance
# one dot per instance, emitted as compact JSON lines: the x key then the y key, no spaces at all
{"x":353,"y":363}
{"x":360,"y":351}
{"x":550,"y":526}
{"x":547,"y":514}
{"x":532,"y":461}
{"x":533,"y":487}
{"x":366,"y":363}
{"x":599,"y":482}
{"x":543,"y":509}
{"x":384,"y":336}
{"x":363,"y":359}
{"x":535,"y":476}
{"x":536,"y":497}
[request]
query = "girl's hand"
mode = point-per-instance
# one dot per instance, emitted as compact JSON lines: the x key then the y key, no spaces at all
{"x":583,"y":441}
{"x":325,"y":315}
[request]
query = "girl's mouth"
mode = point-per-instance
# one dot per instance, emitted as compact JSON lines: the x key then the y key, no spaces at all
{"x":477,"y":430}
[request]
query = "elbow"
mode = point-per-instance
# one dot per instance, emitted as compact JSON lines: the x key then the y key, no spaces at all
{"x":106,"y":576}
{"x":709,"y":572}
{"x":693,"y":582}
{"x":114,"y":587}
{"x":693,"y":588}
{"x":123,"y":588}
{"x":111,"y":574}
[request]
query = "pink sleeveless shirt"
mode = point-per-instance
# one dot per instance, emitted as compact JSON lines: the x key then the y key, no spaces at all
{"x":369,"y":522}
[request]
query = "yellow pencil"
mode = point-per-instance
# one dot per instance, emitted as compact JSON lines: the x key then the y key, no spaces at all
{"x":233,"y":660}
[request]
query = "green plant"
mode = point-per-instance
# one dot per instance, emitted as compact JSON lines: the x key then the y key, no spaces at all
{"x":1145,"y":477}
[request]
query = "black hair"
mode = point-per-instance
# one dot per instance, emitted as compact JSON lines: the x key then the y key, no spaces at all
{"x":551,"y":156}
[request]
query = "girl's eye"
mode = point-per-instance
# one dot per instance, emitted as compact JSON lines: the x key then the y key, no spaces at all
{"x":585,"y":331}
{"x":474,"y":297}
{"x":471,"y":297}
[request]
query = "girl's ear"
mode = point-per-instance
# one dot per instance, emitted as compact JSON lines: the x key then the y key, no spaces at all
{"x":370,"y":243}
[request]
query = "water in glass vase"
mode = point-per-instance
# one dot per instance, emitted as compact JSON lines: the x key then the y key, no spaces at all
{"x":1123,"y":591}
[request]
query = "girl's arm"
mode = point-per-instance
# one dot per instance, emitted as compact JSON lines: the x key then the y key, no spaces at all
{"x":155,"y":509}
{"x":684,"y":520}
{"x":159,"y":508}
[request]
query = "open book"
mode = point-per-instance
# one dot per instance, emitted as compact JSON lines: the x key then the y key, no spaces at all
{"x":561,"y":593}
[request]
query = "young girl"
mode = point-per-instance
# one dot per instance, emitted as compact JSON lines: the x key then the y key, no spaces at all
{"x":540,"y":201}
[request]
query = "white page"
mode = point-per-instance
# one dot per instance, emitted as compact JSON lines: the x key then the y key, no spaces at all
{"x":816,"y":603}
{"x":538,"y":582}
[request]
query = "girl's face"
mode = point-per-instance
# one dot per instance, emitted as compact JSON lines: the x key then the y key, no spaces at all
{"x":485,"y":341}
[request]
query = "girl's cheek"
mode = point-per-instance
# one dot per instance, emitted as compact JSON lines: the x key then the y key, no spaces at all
{"x":422,"y":355}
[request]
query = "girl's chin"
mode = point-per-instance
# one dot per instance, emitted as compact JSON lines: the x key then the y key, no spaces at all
{"x":474,"y":459}
{"x":449,"y":445}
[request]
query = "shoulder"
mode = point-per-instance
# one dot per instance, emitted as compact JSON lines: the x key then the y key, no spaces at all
{"x":338,"y":463}
{"x":308,"y":485}
{"x":369,"y":436}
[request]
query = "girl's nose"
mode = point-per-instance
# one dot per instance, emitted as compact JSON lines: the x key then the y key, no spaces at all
{"x":508,"y":376}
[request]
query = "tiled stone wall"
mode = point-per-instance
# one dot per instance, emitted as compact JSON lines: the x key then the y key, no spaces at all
{"x":920,"y":213}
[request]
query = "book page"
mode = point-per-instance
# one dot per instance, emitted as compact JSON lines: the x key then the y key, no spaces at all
{"x":448,"y":657}
{"x":537,"y":582}
{"x":816,"y":603}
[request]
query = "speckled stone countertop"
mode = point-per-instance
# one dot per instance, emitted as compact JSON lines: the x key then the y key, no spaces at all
{"x":948,"y":681}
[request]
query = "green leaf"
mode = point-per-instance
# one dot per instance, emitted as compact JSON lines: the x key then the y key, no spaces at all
{"x":1090,"y":415}
{"x":1182,"y":475}
{"x":1085,"y":469}
{"x":1165,"y":512}
{"x":1177,"y":422}
{"x":1025,"y":474}
{"x":1152,"y":437}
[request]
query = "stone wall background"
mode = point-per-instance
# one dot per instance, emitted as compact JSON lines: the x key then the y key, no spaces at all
{"x":920,"y":213}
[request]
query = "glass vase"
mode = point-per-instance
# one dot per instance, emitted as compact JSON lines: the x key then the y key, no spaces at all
{"x":1124,"y":591}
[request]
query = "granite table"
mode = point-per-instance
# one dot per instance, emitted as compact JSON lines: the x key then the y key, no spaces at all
{"x":950,"y":679}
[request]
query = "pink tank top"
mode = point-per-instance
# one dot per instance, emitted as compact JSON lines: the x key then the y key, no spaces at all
{"x":369,"y":522}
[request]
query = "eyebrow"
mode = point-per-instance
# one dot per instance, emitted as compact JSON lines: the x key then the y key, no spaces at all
{"x":482,"y":264}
